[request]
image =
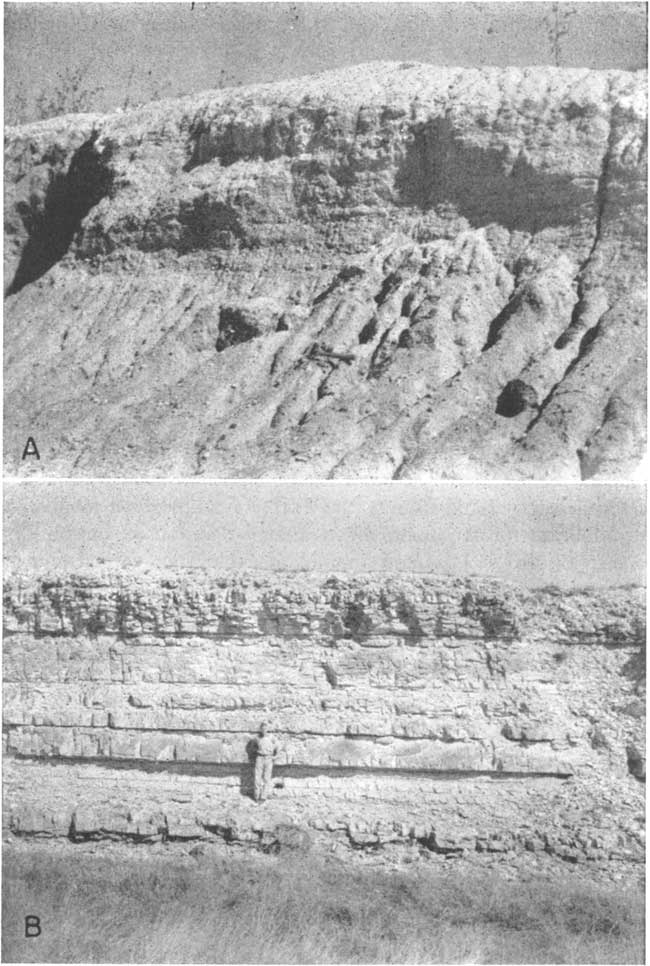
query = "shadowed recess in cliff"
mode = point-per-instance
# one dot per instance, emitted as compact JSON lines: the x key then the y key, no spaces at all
{"x":234,"y":769}
{"x":69,"y":198}
{"x":270,"y":140}
{"x":441,"y":169}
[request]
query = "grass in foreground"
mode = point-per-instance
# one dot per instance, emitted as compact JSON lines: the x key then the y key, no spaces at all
{"x":130,"y":907}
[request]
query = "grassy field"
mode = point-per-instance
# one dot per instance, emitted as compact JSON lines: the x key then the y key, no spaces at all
{"x":135,"y":906}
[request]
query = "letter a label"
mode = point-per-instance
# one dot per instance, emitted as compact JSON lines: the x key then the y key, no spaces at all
{"x":31,"y":449}
{"x":32,"y":926}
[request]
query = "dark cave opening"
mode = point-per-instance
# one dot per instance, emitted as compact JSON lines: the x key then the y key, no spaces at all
{"x":516,"y":396}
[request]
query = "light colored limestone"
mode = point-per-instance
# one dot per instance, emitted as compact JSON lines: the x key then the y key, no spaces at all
{"x":477,"y":712}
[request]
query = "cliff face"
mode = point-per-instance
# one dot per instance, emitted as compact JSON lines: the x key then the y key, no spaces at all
{"x":391,"y":270}
{"x":466,"y":715}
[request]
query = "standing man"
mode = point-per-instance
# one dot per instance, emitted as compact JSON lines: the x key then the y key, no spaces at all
{"x":265,"y":749}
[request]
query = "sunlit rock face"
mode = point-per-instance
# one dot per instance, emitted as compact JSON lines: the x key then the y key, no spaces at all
{"x":466,"y":716}
{"x":392,"y":270}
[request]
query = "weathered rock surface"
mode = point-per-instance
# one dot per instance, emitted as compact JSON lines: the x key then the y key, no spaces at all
{"x":394,"y":270}
{"x":458,"y":715}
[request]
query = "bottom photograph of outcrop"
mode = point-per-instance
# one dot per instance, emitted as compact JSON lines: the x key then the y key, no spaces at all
{"x":316,"y":723}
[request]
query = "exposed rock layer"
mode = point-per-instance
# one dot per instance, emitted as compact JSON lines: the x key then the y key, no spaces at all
{"x":457,"y":714}
{"x":394,"y":270}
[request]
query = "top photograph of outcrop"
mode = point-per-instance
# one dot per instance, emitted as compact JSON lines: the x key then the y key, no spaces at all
{"x":421,"y":266}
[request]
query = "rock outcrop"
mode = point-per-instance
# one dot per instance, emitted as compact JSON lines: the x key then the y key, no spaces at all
{"x":462,"y":716}
{"x":393,"y":270}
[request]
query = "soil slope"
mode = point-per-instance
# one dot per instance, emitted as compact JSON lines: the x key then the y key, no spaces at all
{"x":392,"y":270}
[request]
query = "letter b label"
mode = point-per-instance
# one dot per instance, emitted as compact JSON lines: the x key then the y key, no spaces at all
{"x":32,"y":926}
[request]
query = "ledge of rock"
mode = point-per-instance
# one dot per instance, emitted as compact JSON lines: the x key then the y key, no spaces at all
{"x":392,"y":270}
{"x":409,"y":709}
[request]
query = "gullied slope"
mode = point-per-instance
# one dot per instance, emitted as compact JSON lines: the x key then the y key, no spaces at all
{"x":394,"y":270}
{"x":462,"y":716}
